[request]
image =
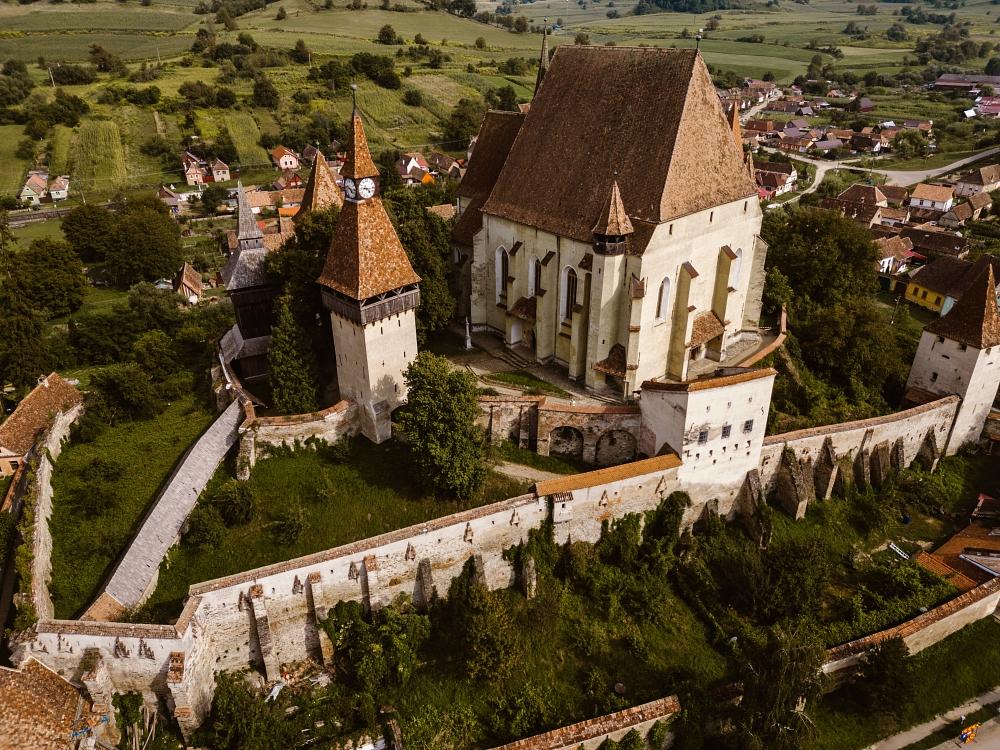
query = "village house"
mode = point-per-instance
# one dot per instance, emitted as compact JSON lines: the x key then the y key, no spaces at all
{"x":860,"y":104}
{"x":942,"y":282}
{"x":632,"y":262}
{"x":220,"y":171}
{"x":59,"y":188}
{"x":284,"y":158}
{"x":445,"y":165}
{"x":932,"y":197}
{"x":867,"y":215}
{"x":774,"y":178}
{"x":982,"y":180}
{"x":195,"y":170}
{"x":966,"y":83}
{"x":970,"y":210}
{"x":413,"y":169}
{"x":895,"y":195}
{"x":34,"y":414}
{"x":36,"y":187}
{"x":188,"y":284}
{"x":896,"y":257}
{"x":933,"y":242}
{"x":289,"y":179}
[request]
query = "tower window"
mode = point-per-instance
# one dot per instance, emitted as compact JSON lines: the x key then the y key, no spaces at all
{"x":748,"y":426}
{"x":726,"y":431}
{"x":702,"y":437}
{"x":934,"y":376}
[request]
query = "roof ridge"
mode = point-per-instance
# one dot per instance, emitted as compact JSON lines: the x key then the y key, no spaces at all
{"x":973,"y":320}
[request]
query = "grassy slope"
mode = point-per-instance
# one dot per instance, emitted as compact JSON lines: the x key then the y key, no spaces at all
{"x":99,"y":161}
{"x":12,"y":169}
{"x":245,"y":134}
{"x":344,"y":503}
{"x":84,"y":546}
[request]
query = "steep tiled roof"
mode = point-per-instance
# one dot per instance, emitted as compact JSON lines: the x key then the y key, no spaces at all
{"x":936,"y":242}
{"x":980,"y":200}
{"x":974,"y":319}
{"x":950,"y":276}
{"x":35,"y":412}
{"x":245,"y":269}
{"x":37,"y":708}
{"x":190,"y":278}
{"x":246,"y":224}
{"x":895,"y":193}
{"x":359,"y":161}
{"x":614,"y":363}
{"x":928,"y":192}
{"x":444,"y":211}
{"x":496,"y":136}
{"x":321,"y":191}
{"x":893,"y":247}
{"x":366,"y":257}
{"x":613,"y":221}
{"x":705,"y":328}
{"x":650,"y":114}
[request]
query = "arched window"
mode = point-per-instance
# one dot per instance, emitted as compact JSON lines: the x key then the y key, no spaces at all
{"x":663,"y":301}
{"x":568,"y":299}
{"x":535,"y":277}
{"x":502,"y":271}
{"x":734,"y":270}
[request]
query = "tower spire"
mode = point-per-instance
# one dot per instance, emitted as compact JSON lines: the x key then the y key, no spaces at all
{"x":543,"y":60}
{"x":247,"y":228}
{"x":734,"y":123}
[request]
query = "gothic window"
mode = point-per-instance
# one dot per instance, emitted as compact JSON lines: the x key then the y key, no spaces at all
{"x":734,"y":270}
{"x":535,"y":277}
{"x":663,"y":301}
{"x":568,"y":301}
{"x":502,"y":271}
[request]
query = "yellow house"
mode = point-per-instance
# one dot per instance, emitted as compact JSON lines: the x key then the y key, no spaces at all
{"x":939,"y":285}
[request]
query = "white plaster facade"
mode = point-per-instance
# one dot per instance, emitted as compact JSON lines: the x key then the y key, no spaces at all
{"x":944,"y":366}
{"x":709,"y":261}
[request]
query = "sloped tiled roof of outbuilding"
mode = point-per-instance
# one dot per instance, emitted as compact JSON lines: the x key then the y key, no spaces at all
{"x":650,"y":114}
{"x":34,"y":413}
{"x":37,"y":708}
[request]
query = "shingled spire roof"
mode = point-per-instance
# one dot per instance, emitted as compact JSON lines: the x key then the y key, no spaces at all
{"x":751,"y":170}
{"x":321,"y":190}
{"x":614,"y":222}
{"x":359,"y":159}
{"x":974,"y":319}
{"x":543,"y":60}
{"x":365,"y":258}
{"x":246,"y":227}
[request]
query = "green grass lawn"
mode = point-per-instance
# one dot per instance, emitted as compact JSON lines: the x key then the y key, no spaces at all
{"x":345,"y":500}
{"x":60,"y":150}
{"x":507,"y":451}
{"x":99,"y":159}
{"x":527,"y":382}
{"x":89,"y":536}
{"x":245,"y":134}
{"x":920,"y":163}
{"x":948,"y":674}
{"x":50,"y":229}
{"x":12,"y":168}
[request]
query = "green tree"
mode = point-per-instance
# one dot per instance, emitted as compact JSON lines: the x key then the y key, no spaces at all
{"x":388,"y":35}
{"x":265,"y":93}
{"x":781,"y":672}
{"x":300,"y":52}
{"x":447,"y":448}
{"x":292,"y":525}
{"x":145,"y":245}
{"x":464,"y":121}
{"x":887,"y":679}
{"x":49,"y":274}
{"x":205,"y":527}
{"x":236,"y":502}
{"x":294,"y":372}
{"x":910,"y":143}
{"x":24,"y":356}
{"x":282,"y":13}
{"x":87,"y":229}
{"x":155,"y":352}
{"x":212,"y":196}
{"x":492,"y":646}
{"x":125,"y":392}
{"x":993,"y":66}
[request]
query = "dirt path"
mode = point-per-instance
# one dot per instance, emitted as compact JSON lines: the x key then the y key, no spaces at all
{"x":519,"y":471}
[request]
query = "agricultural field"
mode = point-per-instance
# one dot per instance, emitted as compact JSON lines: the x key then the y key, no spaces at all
{"x":99,"y":163}
{"x":12,"y":168}
{"x":60,"y":150}
{"x":245,"y":133}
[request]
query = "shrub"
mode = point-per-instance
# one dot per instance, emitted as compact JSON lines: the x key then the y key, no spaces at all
{"x":413,"y":98}
{"x":205,"y":526}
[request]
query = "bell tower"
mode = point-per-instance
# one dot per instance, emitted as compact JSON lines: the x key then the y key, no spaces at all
{"x":371,"y":292}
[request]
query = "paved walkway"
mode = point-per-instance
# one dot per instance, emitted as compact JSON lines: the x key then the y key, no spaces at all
{"x":919,"y":732}
{"x":520,"y":471}
{"x":161,"y":528}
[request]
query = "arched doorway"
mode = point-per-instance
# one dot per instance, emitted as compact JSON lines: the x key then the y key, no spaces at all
{"x":566,"y":441}
{"x":615,"y":447}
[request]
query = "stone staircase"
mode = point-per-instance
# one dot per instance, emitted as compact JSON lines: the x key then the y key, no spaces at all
{"x":135,"y":573}
{"x":514,"y":359}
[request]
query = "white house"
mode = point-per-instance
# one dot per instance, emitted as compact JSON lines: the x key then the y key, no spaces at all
{"x":982,"y":180}
{"x":59,"y":188}
{"x":284,"y":158}
{"x":220,"y":171}
{"x":934,"y":197}
{"x":35,"y":188}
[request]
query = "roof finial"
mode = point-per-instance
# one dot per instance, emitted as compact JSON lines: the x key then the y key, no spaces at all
{"x":543,"y":60}
{"x":354,"y":100}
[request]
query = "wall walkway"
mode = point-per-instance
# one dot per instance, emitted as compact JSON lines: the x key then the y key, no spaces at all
{"x":136,"y":573}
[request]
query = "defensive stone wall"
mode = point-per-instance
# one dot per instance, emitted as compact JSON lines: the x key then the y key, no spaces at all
{"x":48,"y":447}
{"x":592,"y":733}
{"x":596,"y":434}
{"x":804,"y":465}
{"x":924,"y":630}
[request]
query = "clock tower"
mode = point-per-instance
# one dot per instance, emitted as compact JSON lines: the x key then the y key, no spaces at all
{"x":371,"y":292}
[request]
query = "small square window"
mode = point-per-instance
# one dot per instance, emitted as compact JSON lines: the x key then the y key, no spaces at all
{"x":940,"y":339}
{"x":933,"y":376}
{"x":748,"y":426}
{"x":726,"y":431}
{"x":962,"y":347}
{"x":702,"y":437}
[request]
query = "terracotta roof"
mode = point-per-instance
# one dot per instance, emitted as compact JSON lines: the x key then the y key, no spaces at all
{"x":321,"y":191}
{"x":722,"y":378}
{"x":936,"y":242}
{"x":37,"y":708}
{"x":366,"y":257}
{"x":860,"y":193}
{"x":960,"y":213}
{"x":611,"y":474}
{"x":974,"y":537}
{"x":651,"y":114}
{"x":893,"y":247}
{"x":982,"y":176}
{"x":772,"y":166}
{"x":706,"y":327}
{"x":359,"y":159}
{"x":974,"y":319}
{"x":614,"y":363}
{"x":939,"y":567}
{"x":929,"y":192}
{"x":897,"y":214}
{"x":613,"y":221}
{"x":190,"y":278}
{"x":53,"y":394}
{"x":863,"y":213}
{"x":496,"y":136}
{"x":895,"y":193}
{"x":278,"y":151}
{"x":444,"y":211}
{"x":525,"y":308}
{"x":980,"y":200}
{"x":950,"y":276}
{"x":275,"y":240}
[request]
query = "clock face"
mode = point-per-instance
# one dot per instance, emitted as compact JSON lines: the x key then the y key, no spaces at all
{"x":349,"y":190}
{"x":366,"y":189}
